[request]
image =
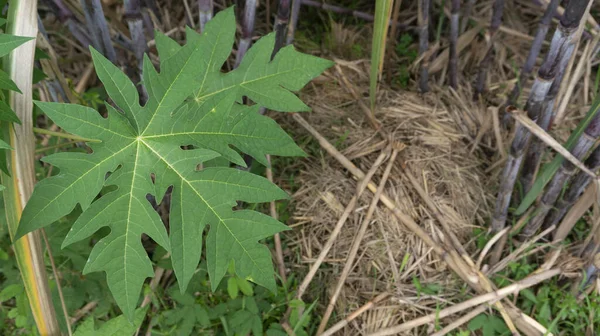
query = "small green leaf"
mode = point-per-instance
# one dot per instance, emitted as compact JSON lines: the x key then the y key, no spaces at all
{"x":244,"y":286}
{"x":7,"y":114}
{"x":202,"y":316}
{"x":11,"y":291}
{"x":115,"y":327}
{"x":527,"y":293}
{"x":478,"y":322}
{"x":6,"y":83}
{"x":9,"y":42}
{"x":232,"y":288}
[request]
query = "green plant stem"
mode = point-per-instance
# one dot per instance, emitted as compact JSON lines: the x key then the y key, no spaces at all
{"x":62,"y":135}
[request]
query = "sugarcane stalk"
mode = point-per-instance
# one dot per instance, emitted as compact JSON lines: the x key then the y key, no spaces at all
{"x":480,"y":82}
{"x":536,"y":46}
{"x":206,"y":8}
{"x":575,"y":190}
{"x":22,"y":21}
{"x":390,"y":49}
{"x":562,"y":177}
{"x":423,"y":21}
{"x":66,"y":16}
{"x":534,"y":107}
{"x":518,"y":147}
{"x":453,"y":57}
{"x":564,"y":42}
{"x":466,"y":15}
{"x":134,"y":19}
{"x":346,"y":11}
{"x":247,"y":30}
{"x":151,"y":4}
{"x":296,"y":4}
{"x":280,"y":26}
{"x":98,"y":28}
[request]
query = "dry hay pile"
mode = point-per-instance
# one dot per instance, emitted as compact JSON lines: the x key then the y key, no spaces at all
{"x":442,"y":155}
{"x":454,"y":151}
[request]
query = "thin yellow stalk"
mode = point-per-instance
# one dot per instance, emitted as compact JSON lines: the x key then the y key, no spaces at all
{"x":22,"y":21}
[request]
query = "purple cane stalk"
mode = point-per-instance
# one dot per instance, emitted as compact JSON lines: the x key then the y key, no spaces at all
{"x":518,"y":147}
{"x":296,"y":4}
{"x":535,"y":105}
{"x":575,"y":190}
{"x":247,"y":30}
{"x":453,"y":59}
{"x":480,"y":82}
{"x":563,"y":45}
{"x":206,"y":8}
{"x":66,"y":16}
{"x":536,"y":46}
{"x":562,"y":177}
{"x":346,"y":11}
{"x":423,"y":21}
{"x":280,"y":26}
{"x":98,"y":28}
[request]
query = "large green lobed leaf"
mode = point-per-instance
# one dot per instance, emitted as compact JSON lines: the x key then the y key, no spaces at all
{"x":191,"y":104}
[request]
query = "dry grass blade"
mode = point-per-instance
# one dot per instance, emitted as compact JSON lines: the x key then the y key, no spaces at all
{"x":357,"y":242}
{"x":489,"y":297}
{"x":339,"y":225}
{"x":489,"y":245}
{"x":338,"y":326}
{"x":463,"y":41}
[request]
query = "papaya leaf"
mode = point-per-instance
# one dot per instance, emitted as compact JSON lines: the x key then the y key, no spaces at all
{"x":193,"y":114}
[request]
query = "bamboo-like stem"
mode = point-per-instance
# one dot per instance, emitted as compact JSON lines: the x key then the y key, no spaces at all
{"x":296,"y":4}
{"x":453,"y":58}
{"x":98,"y":28}
{"x":247,"y":30}
{"x":536,"y":46}
{"x":356,"y":244}
{"x":563,"y":176}
{"x":280,"y":25}
{"x":466,"y":15}
{"x":423,"y":21}
{"x":564,"y":41}
{"x":205,"y":8}
{"x":485,"y":298}
{"x":22,"y":21}
{"x":574,"y":191}
{"x":480,"y":82}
